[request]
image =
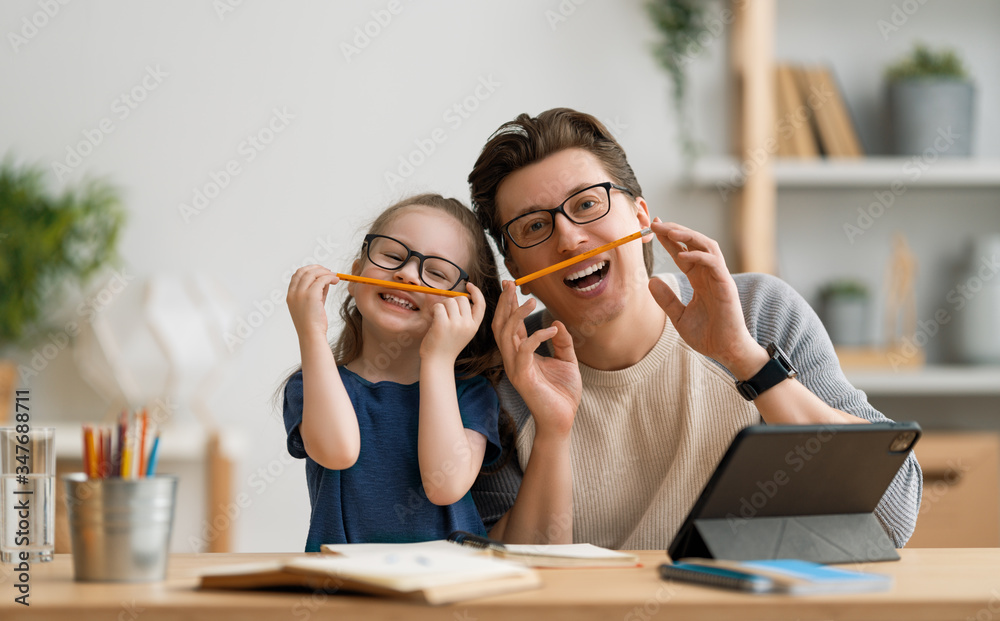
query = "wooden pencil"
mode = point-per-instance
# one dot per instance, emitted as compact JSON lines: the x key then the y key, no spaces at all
{"x":400,"y":285}
{"x":582,"y":257}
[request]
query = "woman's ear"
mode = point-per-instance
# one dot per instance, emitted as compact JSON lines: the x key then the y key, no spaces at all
{"x":642,"y":212}
{"x":512,"y":268}
{"x":516,"y":273}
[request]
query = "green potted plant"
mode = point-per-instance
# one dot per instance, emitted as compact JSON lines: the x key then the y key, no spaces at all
{"x":679,"y":22}
{"x":844,"y":310}
{"x":46,"y":240}
{"x":931,"y":101}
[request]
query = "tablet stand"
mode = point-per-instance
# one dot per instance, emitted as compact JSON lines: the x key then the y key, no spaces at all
{"x":843,"y":538}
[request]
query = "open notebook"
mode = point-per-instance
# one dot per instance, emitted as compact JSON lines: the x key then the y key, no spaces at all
{"x":435,"y":574}
{"x":551,"y":556}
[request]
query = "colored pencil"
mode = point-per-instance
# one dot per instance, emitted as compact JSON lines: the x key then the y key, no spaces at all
{"x":401,"y":285}
{"x":153,"y":454}
{"x":87,"y":449}
{"x":582,"y":257}
{"x":106,"y":440}
{"x":140,"y":471}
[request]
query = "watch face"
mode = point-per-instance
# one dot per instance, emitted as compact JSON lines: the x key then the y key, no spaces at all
{"x":778,"y":354}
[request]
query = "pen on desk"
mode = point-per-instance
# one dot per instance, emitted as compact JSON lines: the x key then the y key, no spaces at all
{"x":401,"y":285}
{"x":582,"y":257}
{"x":465,"y":538}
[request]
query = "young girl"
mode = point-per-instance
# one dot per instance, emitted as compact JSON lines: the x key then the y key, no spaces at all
{"x":397,"y":420}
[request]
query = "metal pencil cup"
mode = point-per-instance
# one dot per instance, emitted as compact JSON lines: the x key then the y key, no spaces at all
{"x":120,"y":528}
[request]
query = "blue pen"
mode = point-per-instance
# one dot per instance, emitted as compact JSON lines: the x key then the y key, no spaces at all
{"x":153,"y":453}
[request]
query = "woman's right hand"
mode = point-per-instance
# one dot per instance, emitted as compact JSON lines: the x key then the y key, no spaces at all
{"x":550,"y":386}
{"x":306,"y":300}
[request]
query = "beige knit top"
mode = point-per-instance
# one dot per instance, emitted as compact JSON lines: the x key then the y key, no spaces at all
{"x":636,"y":476}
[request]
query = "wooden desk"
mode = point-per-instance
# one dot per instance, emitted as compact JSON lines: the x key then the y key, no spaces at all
{"x":930,"y":583}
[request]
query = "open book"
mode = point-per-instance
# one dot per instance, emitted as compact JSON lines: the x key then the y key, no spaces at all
{"x":555,"y":555}
{"x":430,"y":574}
{"x":550,"y":556}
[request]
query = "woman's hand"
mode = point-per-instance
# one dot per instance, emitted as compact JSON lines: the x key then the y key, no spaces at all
{"x":306,"y":300}
{"x":454,"y":321}
{"x":550,"y":386}
{"x":712,"y":322}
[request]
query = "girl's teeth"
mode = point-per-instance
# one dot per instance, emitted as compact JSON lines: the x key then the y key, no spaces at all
{"x":590,"y":270}
{"x":397,"y":301}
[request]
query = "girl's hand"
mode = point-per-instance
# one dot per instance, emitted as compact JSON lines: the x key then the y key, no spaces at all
{"x":712,"y":322}
{"x":306,"y":300}
{"x":550,"y":386}
{"x":454,"y":321}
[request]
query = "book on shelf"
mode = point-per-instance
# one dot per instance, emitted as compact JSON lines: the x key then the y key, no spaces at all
{"x":541,"y":556}
{"x":432,"y":574}
{"x":832,"y":123}
{"x":790,"y":576}
{"x":793,"y":128}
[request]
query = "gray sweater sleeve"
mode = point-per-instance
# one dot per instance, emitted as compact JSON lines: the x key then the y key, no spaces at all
{"x":774,"y":311}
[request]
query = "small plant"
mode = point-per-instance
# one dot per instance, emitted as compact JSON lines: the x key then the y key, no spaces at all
{"x":47,"y":240}
{"x":924,"y":62}
{"x":680,"y":22}
{"x":843,"y":288}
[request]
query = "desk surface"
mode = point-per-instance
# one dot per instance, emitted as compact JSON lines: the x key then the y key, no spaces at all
{"x":930,"y":583}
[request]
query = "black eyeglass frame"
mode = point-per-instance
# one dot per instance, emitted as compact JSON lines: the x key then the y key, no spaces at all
{"x":462,"y":274}
{"x":607,"y":185}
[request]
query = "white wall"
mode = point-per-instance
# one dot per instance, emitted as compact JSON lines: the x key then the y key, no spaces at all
{"x":324,"y":175}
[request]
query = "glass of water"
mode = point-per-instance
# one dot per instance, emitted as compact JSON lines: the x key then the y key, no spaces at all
{"x":27,"y":493}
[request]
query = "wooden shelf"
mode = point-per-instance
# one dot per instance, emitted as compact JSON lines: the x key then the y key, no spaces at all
{"x":932,"y":380}
{"x":866,"y":172}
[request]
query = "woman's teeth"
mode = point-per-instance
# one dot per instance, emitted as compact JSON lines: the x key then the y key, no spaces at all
{"x":588,"y":278}
{"x":398,"y":301}
{"x":588,"y":270}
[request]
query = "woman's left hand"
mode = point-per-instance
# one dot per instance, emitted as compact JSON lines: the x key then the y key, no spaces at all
{"x":454,"y":321}
{"x":712,"y":322}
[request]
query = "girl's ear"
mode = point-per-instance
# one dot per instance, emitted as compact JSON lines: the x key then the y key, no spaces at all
{"x":356,"y":271}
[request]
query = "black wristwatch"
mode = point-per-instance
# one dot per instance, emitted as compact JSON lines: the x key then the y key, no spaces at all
{"x":777,"y":370}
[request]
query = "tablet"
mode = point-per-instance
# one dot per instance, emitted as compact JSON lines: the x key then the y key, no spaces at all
{"x":835,"y":473}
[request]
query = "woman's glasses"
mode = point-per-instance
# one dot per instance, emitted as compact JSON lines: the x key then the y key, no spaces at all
{"x":587,"y":205}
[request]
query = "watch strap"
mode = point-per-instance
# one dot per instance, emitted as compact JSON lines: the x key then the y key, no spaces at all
{"x":773,"y":373}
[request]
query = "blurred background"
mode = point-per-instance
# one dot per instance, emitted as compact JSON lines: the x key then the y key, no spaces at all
{"x":249,"y":138}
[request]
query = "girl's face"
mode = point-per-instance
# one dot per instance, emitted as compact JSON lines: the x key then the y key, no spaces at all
{"x":390,"y":313}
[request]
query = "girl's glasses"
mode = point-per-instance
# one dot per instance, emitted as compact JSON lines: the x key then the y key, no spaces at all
{"x":392,"y":254}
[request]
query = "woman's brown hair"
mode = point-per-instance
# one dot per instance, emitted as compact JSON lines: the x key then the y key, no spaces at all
{"x":526,"y":140}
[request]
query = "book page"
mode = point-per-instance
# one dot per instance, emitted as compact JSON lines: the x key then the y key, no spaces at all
{"x":572,"y":550}
{"x":410,"y":569}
